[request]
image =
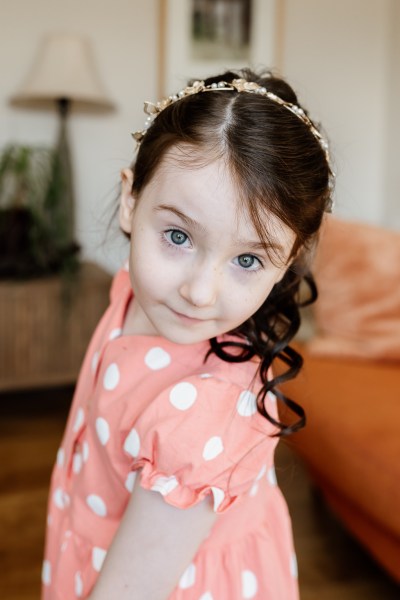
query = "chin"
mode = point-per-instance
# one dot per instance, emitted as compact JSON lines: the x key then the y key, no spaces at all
{"x":185,"y":339}
{"x":184,"y":336}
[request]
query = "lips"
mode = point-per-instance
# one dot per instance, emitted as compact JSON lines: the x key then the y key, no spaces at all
{"x":187,"y":318}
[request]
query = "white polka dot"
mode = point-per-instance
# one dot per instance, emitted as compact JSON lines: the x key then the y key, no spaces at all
{"x":188,"y":579}
{"x":60,"y":457}
{"x":247,"y":404}
{"x":130,"y":481}
{"x":79,"y":419}
{"x":60,"y":498}
{"x":126,"y":265}
{"x":103,"y":430}
{"x":249,"y":584}
{"x":132,"y":443}
{"x":183,"y":395}
{"x":46,"y":572}
{"x":78,"y":584}
{"x":98,"y":556}
{"x":206,"y":596}
{"x":254,"y":489}
{"x":115,"y":333}
{"x":218,"y":497}
{"x":271,"y":397}
{"x":213,"y":448}
{"x":64,"y":546}
{"x":164,"y":485}
{"x":271,"y":476}
{"x":68,"y":533}
{"x":261,"y":473}
{"x":111,"y":377}
{"x":85,"y":451}
{"x":205,"y":375}
{"x":95,"y":361}
{"x":157,"y":358}
{"x":97,"y":505}
{"x":77,"y":462}
{"x":293,"y":566}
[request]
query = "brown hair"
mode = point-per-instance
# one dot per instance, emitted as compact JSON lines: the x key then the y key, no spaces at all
{"x":278,"y":166}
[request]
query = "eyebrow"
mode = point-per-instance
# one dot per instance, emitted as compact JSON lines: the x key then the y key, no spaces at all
{"x":259,"y":245}
{"x":252,"y":245}
{"x":185,"y":218}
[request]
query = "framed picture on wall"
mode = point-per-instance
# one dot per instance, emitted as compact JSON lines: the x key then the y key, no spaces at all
{"x":202,"y":37}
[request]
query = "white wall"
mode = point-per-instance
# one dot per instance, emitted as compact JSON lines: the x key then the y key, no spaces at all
{"x":392,"y":129}
{"x":336,"y":53}
{"x":124,"y":40}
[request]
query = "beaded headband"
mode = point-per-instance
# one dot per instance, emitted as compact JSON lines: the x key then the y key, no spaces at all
{"x":240,"y":85}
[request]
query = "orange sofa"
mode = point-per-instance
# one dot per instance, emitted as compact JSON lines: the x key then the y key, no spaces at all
{"x":350,"y":385}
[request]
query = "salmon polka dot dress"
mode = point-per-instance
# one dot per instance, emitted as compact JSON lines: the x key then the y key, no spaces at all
{"x":152,"y":411}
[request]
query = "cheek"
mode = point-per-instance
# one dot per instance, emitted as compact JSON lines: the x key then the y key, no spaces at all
{"x":149,"y":271}
{"x":253,"y":297}
{"x":142,"y":274}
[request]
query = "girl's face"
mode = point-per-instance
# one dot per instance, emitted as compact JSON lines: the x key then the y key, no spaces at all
{"x":197,"y":266}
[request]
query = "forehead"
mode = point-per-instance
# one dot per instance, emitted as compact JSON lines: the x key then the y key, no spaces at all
{"x":189,"y":173}
{"x":186,"y":162}
{"x":205,"y":186}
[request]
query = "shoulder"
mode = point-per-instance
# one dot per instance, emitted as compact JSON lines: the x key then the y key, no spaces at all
{"x":205,"y":393}
{"x":207,"y":410}
{"x":213,"y":384}
{"x":241,"y":374}
{"x":202,"y":433}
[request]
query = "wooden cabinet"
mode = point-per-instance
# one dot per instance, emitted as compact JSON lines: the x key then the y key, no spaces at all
{"x":46,"y":325}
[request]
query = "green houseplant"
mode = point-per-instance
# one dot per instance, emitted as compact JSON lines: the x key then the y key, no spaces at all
{"x":35,"y":236}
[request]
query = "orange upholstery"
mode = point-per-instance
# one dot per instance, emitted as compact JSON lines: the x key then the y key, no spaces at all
{"x":357,"y":269}
{"x":351,"y":445}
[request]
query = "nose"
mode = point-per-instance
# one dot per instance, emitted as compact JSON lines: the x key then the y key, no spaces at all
{"x":200,"y":285}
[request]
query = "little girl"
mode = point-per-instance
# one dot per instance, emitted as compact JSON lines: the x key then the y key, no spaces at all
{"x":164,"y":486}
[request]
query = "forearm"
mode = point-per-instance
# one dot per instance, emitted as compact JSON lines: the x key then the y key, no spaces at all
{"x":152,"y":548}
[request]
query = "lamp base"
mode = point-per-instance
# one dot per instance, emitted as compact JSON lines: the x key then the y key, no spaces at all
{"x":60,"y":201}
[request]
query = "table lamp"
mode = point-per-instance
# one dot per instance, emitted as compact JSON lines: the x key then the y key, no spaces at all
{"x":63,"y":73}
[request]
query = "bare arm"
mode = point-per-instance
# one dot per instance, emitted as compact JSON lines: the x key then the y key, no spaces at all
{"x":152,"y":548}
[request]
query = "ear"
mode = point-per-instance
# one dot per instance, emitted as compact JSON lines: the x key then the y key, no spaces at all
{"x":127,"y":201}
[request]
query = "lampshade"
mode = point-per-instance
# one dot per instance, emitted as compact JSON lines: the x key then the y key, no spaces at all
{"x":64,"y":68}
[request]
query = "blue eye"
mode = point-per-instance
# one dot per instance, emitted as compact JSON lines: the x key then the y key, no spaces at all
{"x":177,"y":237}
{"x":248,"y":261}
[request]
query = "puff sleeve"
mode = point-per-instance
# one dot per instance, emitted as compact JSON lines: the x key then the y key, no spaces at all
{"x":201,"y":436}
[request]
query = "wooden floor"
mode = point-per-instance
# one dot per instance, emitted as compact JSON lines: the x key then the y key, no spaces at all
{"x":332,"y":566}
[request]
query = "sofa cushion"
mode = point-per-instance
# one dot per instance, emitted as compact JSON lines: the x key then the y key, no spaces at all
{"x":351,"y":444}
{"x":357,"y":270}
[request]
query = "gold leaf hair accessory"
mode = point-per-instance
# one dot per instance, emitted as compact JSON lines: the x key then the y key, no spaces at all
{"x":240,"y":85}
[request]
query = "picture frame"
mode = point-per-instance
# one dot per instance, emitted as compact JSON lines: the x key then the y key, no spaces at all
{"x":180,"y":60}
